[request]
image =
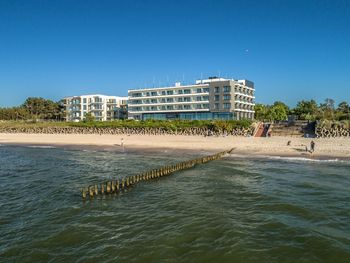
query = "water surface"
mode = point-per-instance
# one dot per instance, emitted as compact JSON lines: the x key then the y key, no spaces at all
{"x":230,"y":210}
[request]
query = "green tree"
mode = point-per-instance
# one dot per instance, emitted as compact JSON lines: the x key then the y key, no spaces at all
{"x":261,"y":112}
{"x":282,"y":104}
{"x":277,"y":113}
{"x":343,"y":107}
{"x":306,"y":110}
{"x":328,"y":109}
{"x":89,"y":117}
{"x":42,"y":108}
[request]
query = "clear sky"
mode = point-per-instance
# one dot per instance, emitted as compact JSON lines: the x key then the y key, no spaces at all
{"x":292,"y":50}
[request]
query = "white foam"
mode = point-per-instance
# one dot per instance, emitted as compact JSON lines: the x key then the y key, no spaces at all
{"x":290,"y":159}
{"x":42,"y":146}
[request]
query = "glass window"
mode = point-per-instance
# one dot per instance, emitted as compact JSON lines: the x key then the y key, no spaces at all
{"x":180,"y":91}
{"x":163,"y":92}
{"x":217,"y":89}
{"x":154,"y":93}
{"x":205,"y":89}
{"x":227,"y":105}
{"x":227,"y":88}
{"x":227,"y":97}
{"x":187,"y":99}
{"x":180,"y":99}
{"x":199,"y":90}
{"x":199,"y":98}
{"x":84,"y":107}
{"x":84,"y":100}
{"x":217,"y":97}
{"x":170,"y":92}
{"x":187,"y":91}
{"x":216,"y":106}
{"x":205,"y":106}
{"x":169,"y":100}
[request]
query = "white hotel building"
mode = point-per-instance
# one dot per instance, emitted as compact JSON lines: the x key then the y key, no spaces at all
{"x":102,"y":107}
{"x":213,"y":98}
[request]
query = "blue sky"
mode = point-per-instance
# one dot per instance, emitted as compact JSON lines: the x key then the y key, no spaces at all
{"x":292,"y":50}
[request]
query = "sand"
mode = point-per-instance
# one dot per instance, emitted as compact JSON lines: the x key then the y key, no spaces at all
{"x":249,"y":146}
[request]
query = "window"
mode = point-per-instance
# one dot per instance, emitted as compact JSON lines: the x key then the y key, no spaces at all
{"x":217,"y":89}
{"x":227,"y":97}
{"x":227,"y":88}
{"x":163,"y":92}
{"x":147,"y":93}
{"x":227,"y":105}
{"x":187,"y":99}
{"x":162,"y":100}
{"x":217,"y":97}
{"x":84,"y":100}
{"x":199,"y":98}
{"x":216,"y":106}
{"x":187,"y":91}
{"x":171,"y":107}
{"x":84,"y":107}
{"x":153,"y":93}
{"x":205,"y":106}
{"x":153,"y":100}
{"x":187,"y":107}
{"x":153,"y":108}
{"x":170,"y":92}
{"x":205,"y":97}
{"x":198,"y":106}
{"x":199,"y":90}
{"x":180,"y":99}
{"x":163,"y":107}
{"x":136,"y":94}
{"x":205,"y":89}
{"x":180,"y":91}
{"x":169,"y":100}
{"x":180,"y":107}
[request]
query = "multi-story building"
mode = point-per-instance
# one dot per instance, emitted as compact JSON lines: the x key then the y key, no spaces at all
{"x":213,"y":98}
{"x":102,"y":107}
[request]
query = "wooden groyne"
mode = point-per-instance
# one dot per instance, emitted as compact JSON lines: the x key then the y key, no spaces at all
{"x":119,"y":185}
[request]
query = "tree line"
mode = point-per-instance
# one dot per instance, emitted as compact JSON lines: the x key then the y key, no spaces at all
{"x":304,"y":110}
{"x":34,"y":108}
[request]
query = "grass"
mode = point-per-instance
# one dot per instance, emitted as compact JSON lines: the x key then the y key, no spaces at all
{"x":218,"y":125}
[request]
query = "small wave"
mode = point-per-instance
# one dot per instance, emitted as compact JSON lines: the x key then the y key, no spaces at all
{"x":290,"y":159}
{"x":305,"y":159}
{"x":42,"y":146}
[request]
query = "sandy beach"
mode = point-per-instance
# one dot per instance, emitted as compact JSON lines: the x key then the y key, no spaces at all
{"x":274,"y":146}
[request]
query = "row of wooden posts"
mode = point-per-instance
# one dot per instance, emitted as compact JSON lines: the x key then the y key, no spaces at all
{"x":116,"y":186}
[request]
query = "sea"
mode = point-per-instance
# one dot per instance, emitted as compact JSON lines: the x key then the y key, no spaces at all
{"x":236,"y":209}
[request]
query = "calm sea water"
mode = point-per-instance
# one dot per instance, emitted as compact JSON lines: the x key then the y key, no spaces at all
{"x":230,"y":210}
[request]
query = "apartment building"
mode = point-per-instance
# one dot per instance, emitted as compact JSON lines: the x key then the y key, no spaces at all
{"x":102,"y":107}
{"x":212,"y":98}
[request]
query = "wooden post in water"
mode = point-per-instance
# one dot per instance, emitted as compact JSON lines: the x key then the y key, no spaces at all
{"x":116,"y":186}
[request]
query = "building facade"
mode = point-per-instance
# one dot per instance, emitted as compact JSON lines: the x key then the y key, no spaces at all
{"x":213,"y":98}
{"x":101,"y":107}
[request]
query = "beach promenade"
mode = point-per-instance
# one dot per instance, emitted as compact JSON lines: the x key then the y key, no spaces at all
{"x":250,"y":146}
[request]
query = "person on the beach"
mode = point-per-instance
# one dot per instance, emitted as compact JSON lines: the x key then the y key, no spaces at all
{"x":122,"y":142}
{"x":312,"y":146}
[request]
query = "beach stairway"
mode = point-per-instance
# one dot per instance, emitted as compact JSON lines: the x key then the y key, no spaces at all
{"x":261,"y":130}
{"x":294,"y":129}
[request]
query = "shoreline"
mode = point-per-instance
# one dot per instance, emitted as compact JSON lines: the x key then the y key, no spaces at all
{"x":330,"y":148}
